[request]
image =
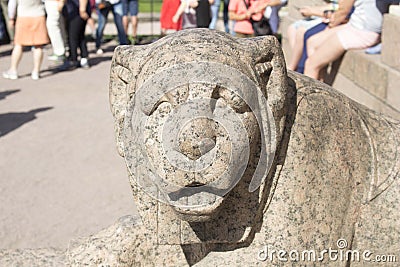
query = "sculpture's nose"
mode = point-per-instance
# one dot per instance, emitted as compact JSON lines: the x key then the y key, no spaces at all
{"x":197,"y":138}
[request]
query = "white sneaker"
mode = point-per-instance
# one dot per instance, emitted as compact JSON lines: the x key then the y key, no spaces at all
{"x":35,"y":75}
{"x":99,"y":51}
{"x":10,"y":75}
{"x":84,"y":63}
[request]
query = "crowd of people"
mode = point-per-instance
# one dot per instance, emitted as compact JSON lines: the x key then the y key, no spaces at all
{"x":323,"y":36}
{"x":187,"y":14}
{"x":62,"y":23}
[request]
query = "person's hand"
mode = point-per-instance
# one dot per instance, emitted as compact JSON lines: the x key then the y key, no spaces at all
{"x":175,"y":19}
{"x":12,"y":23}
{"x":306,"y":11}
{"x":193,"y":4}
{"x":248,"y":14}
{"x":328,"y":16}
{"x":83,"y":14}
{"x":337,"y":18}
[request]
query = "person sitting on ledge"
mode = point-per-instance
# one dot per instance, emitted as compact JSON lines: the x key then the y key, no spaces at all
{"x":362,"y":31}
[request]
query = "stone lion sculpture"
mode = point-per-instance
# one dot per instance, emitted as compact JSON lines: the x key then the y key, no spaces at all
{"x":233,"y":161}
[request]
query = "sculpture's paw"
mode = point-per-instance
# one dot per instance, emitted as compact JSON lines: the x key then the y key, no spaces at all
{"x":113,"y":246}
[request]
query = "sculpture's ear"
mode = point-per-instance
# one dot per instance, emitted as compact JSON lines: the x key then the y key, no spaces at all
{"x":124,"y":71}
{"x":271,"y":70}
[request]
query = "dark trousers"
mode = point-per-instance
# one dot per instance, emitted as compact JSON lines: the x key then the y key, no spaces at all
{"x":314,"y":30}
{"x":76,"y":34}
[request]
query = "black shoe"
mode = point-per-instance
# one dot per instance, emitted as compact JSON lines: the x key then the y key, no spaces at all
{"x":69,"y":65}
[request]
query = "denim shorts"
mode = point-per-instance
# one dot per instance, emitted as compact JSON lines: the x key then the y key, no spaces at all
{"x":130,"y":7}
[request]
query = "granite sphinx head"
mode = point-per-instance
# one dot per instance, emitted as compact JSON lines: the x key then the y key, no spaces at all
{"x":194,"y":112}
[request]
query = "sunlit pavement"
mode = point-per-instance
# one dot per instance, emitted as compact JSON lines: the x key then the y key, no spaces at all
{"x":60,"y":174}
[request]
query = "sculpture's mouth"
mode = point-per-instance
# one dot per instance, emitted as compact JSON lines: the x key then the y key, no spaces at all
{"x":196,"y":201}
{"x":194,"y":184}
{"x":199,"y":213}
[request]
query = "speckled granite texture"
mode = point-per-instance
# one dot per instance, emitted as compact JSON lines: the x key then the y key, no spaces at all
{"x":332,"y":166}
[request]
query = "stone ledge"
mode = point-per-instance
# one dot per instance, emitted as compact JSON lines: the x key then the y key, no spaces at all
{"x":369,"y":73}
{"x":359,"y":94}
{"x":391,"y":41}
{"x":366,"y":71}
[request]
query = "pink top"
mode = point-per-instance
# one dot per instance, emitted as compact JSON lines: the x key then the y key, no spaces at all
{"x":238,"y":7}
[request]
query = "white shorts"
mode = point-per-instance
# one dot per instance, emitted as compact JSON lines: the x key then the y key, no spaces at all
{"x":353,"y":38}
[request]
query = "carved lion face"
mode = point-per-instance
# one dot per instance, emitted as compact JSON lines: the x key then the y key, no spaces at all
{"x":191,"y":116}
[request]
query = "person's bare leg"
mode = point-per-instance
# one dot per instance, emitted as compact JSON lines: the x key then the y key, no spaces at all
{"x":315,"y":41}
{"x":37,"y":58}
{"x":297,"y":49}
{"x":125,"y":23}
{"x":16,"y":56}
{"x":329,"y":50}
{"x":134,"y":21}
{"x":291,"y":33}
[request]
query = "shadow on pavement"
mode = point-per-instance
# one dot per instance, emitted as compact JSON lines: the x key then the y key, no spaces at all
{"x":6,"y":53}
{"x":12,"y":121}
{"x":4,"y":94}
{"x":9,"y":51}
{"x":96,"y":60}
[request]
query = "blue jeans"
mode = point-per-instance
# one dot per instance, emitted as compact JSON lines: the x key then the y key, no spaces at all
{"x":314,"y":30}
{"x":102,"y":14}
{"x":214,"y":14}
{"x":130,"y":7}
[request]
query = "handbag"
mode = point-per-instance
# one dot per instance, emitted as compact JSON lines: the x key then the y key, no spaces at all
{"x":260,"y":27}
{"x":189,"y":21}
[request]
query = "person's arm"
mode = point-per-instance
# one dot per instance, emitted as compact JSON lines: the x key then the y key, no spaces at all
{"x":264,"y":5}
{"x":275,"y":3}
{"x":238,"y":17}
{"x":340,"y":15}
{"x":82,"y":9}
{"x":318,"y":11}
{"x":12,"y":12}
{"x":233,"y":12}
{"x":179,"y":12}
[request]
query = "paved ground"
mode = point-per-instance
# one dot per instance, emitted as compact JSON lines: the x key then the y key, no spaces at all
{"x":60,"y":174}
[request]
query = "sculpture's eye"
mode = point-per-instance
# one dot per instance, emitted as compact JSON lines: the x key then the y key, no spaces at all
{"x":163,"y":99}
{"x":174,"y":97}
{"x":233,"y":100}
